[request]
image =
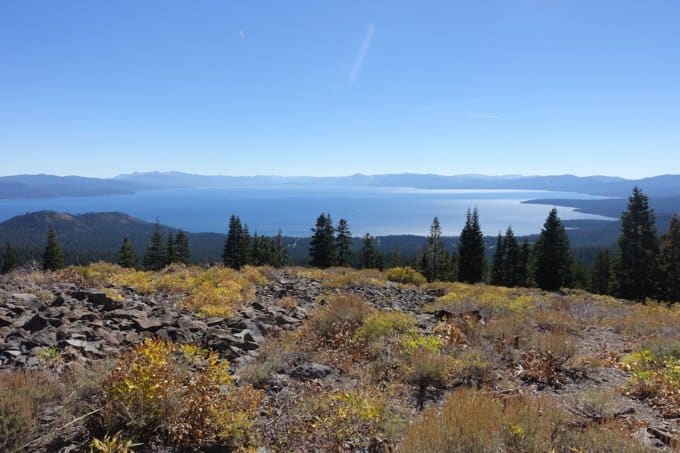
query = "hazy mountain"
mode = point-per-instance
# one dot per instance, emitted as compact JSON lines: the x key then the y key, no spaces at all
{"x":48,"y":186}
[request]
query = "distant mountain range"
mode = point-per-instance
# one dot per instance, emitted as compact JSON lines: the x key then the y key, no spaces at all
{"x":49,"y":186}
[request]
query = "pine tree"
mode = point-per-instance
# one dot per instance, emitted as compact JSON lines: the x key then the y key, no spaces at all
{"x":236,"y":247}
{"x":498,"y":263}
{"x":511,"y":259}
{"x":53,"y":258}
{"x":126,"y":254}
{"x":670,"y":261}
{"x":523,"y":262}
{"x":552,"y":257}
{"x":636,"y":267}
{"x":182,"y":252}
{"x":471,"y":250}
{"x":280,"y":252}
{"x":155,"y":254}
{"x":170,"y":253}
{"x":435,"y":259}
{"x":262,"y":250}
{"x":599,"y":279}
{"x":369,"y":257}
{"x":322,"y":245}
{"x":245,"y":247}
{"x":343,"y":243}
{"x":9,"y":259}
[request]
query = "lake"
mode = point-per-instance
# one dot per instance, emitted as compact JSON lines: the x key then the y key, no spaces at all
{"x":294,"y":209}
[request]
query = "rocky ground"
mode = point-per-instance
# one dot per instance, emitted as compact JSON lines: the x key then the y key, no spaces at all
{"x":83,"y":324}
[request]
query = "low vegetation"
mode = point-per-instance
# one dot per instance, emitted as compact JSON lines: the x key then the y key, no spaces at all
{"x":383,"y":361}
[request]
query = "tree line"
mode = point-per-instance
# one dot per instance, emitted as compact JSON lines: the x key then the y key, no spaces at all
{"x":644,"y":265}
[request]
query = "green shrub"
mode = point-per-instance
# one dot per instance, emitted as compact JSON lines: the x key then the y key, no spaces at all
{"x":384,"y":324}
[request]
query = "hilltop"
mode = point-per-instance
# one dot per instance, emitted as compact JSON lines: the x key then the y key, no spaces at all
{"x":329,"y":360}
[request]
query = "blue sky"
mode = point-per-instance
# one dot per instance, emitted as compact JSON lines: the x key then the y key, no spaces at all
{"x":334,"y":88}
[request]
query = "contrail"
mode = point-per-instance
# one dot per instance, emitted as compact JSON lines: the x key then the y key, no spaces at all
{"x":359,"y":60}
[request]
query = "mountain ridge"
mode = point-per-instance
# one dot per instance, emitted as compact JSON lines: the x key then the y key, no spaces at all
{"x":51,"y":186}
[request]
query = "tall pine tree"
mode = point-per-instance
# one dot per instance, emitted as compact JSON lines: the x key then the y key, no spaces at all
{"x":236,"y":247}
{"x":435,"y":259}
{"x":523,"y":264}
{"x":155,"y":254}
{"x":471,"y":250}
{"x":280,"y":252}
{"x":53,"y":258}
{"x":636,"y":267}
{"x":182,"y":253}
{"x":369,"y":256}
{"x":511,"y":259}
{"x":9,"y":258}
{"x":170,"y":253}
{"x":552,"y":257}
{"x":599,"y":276}
{"x":670,"y":261}
{"x":322,"y":245}
{"x":343,"y":244}
{"x":498,"y":262}
{"x":126,"y":254}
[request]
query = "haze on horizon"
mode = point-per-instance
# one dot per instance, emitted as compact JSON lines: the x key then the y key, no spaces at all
{"x":332,"y":89}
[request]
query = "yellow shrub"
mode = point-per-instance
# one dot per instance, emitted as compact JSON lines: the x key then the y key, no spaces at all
{"x":406,"y":275}
{"x":155,"y":392}
{"x":384,"y":324}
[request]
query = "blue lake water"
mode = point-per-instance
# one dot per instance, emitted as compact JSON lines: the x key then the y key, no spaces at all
{"x":374,"y":210}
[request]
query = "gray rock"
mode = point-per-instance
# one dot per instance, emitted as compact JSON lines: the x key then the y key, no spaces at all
{"x":308,"y":371}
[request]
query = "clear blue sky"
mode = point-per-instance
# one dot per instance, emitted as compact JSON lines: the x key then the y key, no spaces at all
{"x":99,"y":88}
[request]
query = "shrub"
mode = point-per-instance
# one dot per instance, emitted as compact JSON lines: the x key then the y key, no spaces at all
{"x":344,"y":313}
{"x":426,"y":369}
{"x":23,"y":396}
{"x":156,"y":392}
{"x":470,"y":367}
{"x":476,"y":421}
{"x":656,"y":377}
{"x":406,"y":275}
{"x":384,"y":324}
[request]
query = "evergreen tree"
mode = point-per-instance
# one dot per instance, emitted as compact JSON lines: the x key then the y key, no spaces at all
{"x":599,"y":279}
{"x":343,"y":243}
{"x":53,"y":258}
{"x":435,"y":259}
{"x":9,"y":259}
{"x":670,"y":261}
{"x":552,"y":257}
{"x":369,"y":256}
{"x":322,"y":245}
{"x":236,"y":247}
{"x":126,"y":254}
{"x":170,"y":253}
{"x":155,"y":254}
{"x":511,"y":259}
{"x":523,"y":262}
{"x":182,"y":253}
{"x":471,"y":250}
{"x":246,"y":247}
{"x":636,"y":267}
{"x":262,"y":250}
{"x":498,"y":263}
{"x":280,"y":252}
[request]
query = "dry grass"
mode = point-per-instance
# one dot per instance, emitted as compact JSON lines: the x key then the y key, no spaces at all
{"x":477,"y":421}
